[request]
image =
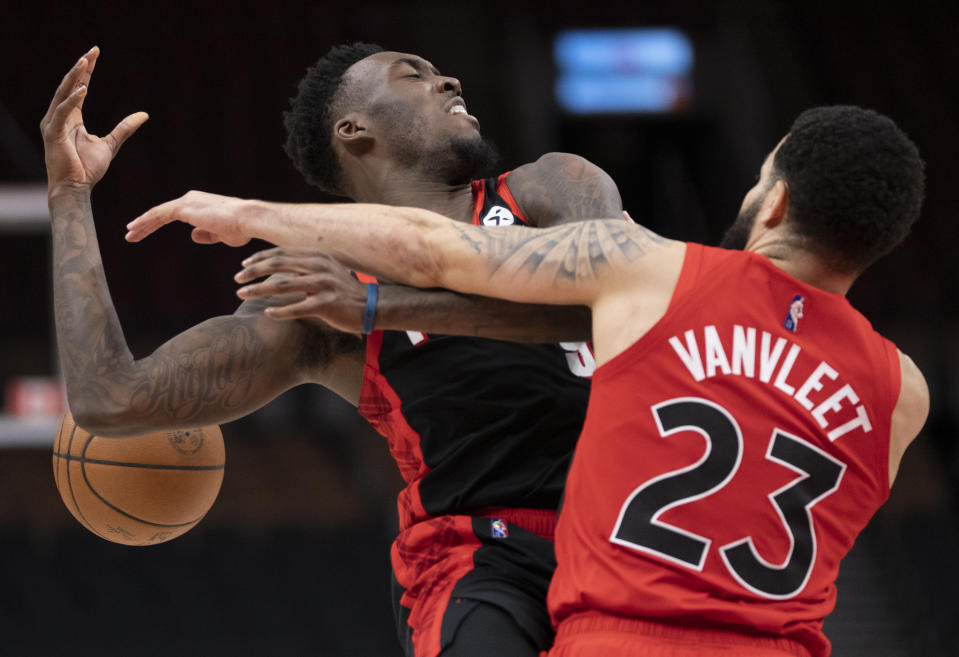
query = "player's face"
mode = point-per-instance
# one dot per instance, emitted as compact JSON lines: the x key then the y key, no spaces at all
{"x":737,"y":236}
{"x":420,"y":115}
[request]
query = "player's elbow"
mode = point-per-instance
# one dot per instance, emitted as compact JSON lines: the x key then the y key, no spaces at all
{"x":91,"y":417}
{"x":102,"y":417}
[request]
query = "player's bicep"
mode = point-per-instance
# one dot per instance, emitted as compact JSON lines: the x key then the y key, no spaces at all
{"x":215,"y":372}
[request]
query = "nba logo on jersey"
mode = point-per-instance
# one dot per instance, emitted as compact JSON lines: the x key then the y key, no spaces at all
{"x":498,"y":528}
{"x":794,"y":314}
{"x":498,"y":216}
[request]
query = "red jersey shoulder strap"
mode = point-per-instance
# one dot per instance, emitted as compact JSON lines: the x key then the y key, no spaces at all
{"x":489,"y":193}
{"x":503,"y":190}
{"x":479,"y":199}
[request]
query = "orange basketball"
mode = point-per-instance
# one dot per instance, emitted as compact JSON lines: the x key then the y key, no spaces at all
{"x":140,"y":490}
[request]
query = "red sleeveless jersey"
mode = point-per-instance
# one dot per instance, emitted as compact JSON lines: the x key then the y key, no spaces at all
{"x":730,"y":457}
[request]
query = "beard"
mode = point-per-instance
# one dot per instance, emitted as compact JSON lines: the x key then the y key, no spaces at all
{"x":737,"y":235}
{"x":472,"y":158}
{"x":459,"y":160}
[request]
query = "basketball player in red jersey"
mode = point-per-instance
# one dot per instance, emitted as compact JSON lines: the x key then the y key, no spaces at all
{"x":482,"y":430}
{"x":745,"y":422}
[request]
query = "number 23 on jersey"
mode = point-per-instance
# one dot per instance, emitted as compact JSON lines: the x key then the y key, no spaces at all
{"x":639,"y":526}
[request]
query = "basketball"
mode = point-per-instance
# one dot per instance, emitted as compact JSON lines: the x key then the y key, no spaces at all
{"x":140,"y":490}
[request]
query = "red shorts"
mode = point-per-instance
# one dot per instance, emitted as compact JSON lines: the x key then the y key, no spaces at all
{"x":442,"y":565}
{"x":593,"y":634}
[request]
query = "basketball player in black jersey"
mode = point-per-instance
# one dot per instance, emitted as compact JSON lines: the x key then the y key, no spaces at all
{"x":481,"y":430}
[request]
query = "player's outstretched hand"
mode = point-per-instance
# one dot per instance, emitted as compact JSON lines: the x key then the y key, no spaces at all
{"x":333,"y":295}
{"x":214,"y":218}
{"x":76,"y":159}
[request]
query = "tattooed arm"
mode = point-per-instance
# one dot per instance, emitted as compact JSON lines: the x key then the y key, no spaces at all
{"x":622,"y":271}
{"x":561,"y":187}
{"x":216,"y":371}
{"x":566,"y":264}
{"x":558,"y":188}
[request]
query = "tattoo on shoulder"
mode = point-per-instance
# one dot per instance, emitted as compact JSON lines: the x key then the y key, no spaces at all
{"x":569,"y":189}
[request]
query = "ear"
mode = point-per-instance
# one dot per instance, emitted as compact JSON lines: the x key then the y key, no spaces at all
{"x":353,"y":131}
{"x":775,"y":205}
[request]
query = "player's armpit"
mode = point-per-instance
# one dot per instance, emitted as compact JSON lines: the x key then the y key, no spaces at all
{"x":910,"y":413}
{"x":561,"y":187}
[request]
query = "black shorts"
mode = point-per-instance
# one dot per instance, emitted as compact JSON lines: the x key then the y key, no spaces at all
{"x":465,"y":585}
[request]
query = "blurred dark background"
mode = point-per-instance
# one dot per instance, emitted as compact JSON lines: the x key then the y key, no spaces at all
{"x":293,"y":558}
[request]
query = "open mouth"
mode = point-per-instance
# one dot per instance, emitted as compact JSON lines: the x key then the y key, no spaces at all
{"x":457,"y":106}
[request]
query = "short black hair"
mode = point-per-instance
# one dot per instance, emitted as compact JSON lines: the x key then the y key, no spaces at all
{"x":856,"y":183}
{"x":309,"y":122}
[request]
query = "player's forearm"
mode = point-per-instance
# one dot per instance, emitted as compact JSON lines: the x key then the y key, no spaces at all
{"x":93,"y":351}
{"x":394,"y":243}
{"x":559,"y":265}
{"x":403,"y":308}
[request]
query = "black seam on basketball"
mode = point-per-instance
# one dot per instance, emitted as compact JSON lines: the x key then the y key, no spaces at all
{"x":83,"y":468}
{"x":149,"y":466}
{"x":76,"y":505}
{"x":56,"y":449}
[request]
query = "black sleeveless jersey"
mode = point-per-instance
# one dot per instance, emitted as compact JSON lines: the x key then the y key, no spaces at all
{"x":476,"y":424}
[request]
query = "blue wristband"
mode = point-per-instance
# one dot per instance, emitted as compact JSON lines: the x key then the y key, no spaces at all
{"x":372,"y":294}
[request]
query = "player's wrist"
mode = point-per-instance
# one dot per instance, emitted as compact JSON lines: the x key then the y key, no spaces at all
{"x":67,"y":191}
{"x":255,"y":217}
{"x":369,"y":310}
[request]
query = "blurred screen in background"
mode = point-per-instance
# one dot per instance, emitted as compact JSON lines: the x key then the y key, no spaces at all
{"x":622,"y":71}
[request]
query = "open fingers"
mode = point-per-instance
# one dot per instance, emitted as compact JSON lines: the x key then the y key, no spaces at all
{"x":91,"y":58}
{"x":124,"y":129}
{"x":58,"y":121}
{"x":68,"y":86}
{"x":260,"y":256}
{"x":86,"y":72}
{"x":282,"y":261}
{"x":151,"y":221}
{"x":277,"y":285}
{"x":308,"y":307}
{"x":292,"y":251}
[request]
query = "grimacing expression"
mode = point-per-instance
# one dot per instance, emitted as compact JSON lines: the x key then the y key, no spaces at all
{"x":419,"y":114}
